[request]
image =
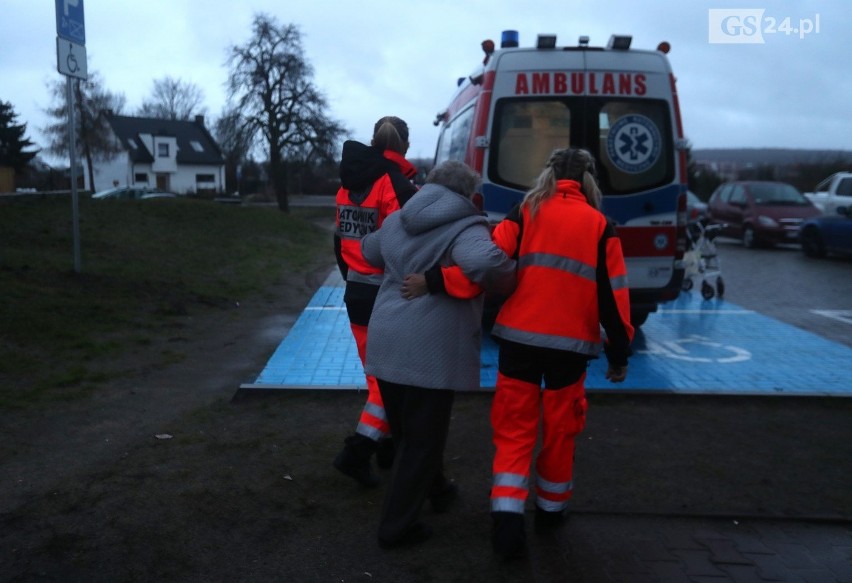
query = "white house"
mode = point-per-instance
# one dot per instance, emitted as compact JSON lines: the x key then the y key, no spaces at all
{"x":173,"y":155}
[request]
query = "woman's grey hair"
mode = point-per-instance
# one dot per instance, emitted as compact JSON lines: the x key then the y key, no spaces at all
{"x":457,"y":176}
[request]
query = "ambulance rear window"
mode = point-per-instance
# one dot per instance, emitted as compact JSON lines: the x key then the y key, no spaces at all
{"x":635,"y":147}
{"x":630,"y":138}
{"x":528,"y":131}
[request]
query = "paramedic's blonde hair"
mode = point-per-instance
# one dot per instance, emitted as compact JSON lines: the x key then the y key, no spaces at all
{"x":565,"y":164}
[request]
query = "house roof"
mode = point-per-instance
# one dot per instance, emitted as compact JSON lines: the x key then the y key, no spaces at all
{"x":195,"y":145}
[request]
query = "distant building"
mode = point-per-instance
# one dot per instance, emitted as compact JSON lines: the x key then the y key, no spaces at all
{"x":764,"y":163}
{"x":173,"y":155}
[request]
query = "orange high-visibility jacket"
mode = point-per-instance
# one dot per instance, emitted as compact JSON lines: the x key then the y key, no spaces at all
{"x":571,"y":278}
{"x":374,"y":185}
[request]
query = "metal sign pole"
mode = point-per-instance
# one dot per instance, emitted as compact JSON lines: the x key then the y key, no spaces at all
{"x":72,"y":149}
{"x":71,"y":62}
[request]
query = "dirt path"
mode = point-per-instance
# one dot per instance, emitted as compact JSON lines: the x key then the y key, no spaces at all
{"x":221,"y":349}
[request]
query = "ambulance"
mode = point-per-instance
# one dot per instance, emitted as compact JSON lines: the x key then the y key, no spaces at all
{"x":620,"y":103}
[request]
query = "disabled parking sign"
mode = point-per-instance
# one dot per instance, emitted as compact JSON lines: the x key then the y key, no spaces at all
{"x":634,"y":143}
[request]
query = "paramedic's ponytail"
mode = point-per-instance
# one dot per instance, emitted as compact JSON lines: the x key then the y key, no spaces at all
{"x":589,"y":186}
{"x":391,"y":133}
{"x":545,"y":186}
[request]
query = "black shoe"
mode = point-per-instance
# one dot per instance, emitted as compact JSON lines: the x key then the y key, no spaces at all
{"x":385,"y":451}
{"x":416,"y":534}
{"x":354,"y":460}
{"x":546,"y":520}
{"x":508,"y":537}
{"x":444,"y":498}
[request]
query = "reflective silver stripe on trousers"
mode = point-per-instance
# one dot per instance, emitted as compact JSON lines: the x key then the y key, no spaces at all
{"x":505,"y":504}
{"x":554,"y":487}
{"x":558,"y":262}
{"x":551,"y":506}
{"x":376,"y":411}
{"x":371,"y":278}
{"x":548,"y":340}
{"x":370,"y":431}
{"x":511,"y":480}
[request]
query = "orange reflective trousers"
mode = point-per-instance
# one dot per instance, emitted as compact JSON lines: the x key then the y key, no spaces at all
{"x":373,"y":422}
{"x":517,"y":407}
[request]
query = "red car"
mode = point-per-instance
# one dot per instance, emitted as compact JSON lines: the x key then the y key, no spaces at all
{"x":760,"y":212}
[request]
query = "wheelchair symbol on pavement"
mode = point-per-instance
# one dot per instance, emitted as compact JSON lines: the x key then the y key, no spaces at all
{"x":679,"y":350}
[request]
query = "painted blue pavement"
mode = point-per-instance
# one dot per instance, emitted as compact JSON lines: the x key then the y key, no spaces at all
{"x":691,"y":346}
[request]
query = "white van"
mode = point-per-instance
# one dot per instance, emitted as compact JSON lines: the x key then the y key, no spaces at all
{"x":619,"y":103}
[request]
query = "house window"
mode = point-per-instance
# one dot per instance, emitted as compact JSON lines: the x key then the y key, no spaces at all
{"x":163,"y":150}
{"x":196,"y":145}
{"x":141,"y":177}
{"x":205,"y":183}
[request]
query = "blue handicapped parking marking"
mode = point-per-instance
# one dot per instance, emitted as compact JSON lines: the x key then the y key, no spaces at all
{"x":690,"y":346}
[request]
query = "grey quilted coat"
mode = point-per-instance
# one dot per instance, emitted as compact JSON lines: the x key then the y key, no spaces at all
{"x":432,"y":341}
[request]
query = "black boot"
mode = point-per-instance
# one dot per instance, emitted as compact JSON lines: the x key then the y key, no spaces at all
{"x":354,"y":460}
{"x":418,"y":533}
{"x":443,"y":496}
{"x":548,"y":520}
{"x":508,"y":537}
{"x":385,"y":451}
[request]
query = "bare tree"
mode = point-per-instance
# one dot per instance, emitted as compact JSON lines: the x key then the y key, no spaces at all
{"x":270,"y":85}
{"x":173,"y":99}
{"x":93,"y":104}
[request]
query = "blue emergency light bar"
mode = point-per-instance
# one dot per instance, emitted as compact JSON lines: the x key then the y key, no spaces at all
{"x":509,"y":39}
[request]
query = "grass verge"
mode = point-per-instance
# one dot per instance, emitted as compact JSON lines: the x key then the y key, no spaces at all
{"x":145,"y":265}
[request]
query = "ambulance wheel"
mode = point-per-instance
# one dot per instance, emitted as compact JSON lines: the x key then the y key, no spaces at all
{"x":638,"y":317}
{"x":687,"y":284}
{"x":707,"y":291}
{"x":720,"y":287}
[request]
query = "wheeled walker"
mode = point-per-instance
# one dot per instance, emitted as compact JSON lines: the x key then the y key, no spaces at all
{"x":701,"y":259}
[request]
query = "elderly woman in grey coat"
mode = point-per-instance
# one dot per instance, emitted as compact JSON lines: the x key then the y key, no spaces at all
{"x":422,"y":350}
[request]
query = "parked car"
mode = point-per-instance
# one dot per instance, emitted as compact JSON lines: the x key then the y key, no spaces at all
{"x":834,"y":191}
{"x":828,"y":234}
{"x":131,"y":193}
{"x":696,"y":209}
{"x":760,"y":212}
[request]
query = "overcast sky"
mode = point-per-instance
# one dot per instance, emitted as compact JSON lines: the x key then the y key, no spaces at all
{"x":396,"y":57}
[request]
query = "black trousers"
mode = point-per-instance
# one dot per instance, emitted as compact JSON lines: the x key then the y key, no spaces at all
{"x":360,"y":299}
{"x":419,"y":420}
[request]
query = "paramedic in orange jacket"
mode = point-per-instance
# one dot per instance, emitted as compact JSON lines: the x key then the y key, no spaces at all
{"x":571,"y":279}
{"x":375,"y":182}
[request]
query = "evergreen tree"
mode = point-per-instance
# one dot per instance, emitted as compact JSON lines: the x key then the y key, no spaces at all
{"x":13,"y":143}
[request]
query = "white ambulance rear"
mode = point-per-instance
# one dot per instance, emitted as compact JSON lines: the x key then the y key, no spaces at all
{"x":619,"y":103}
